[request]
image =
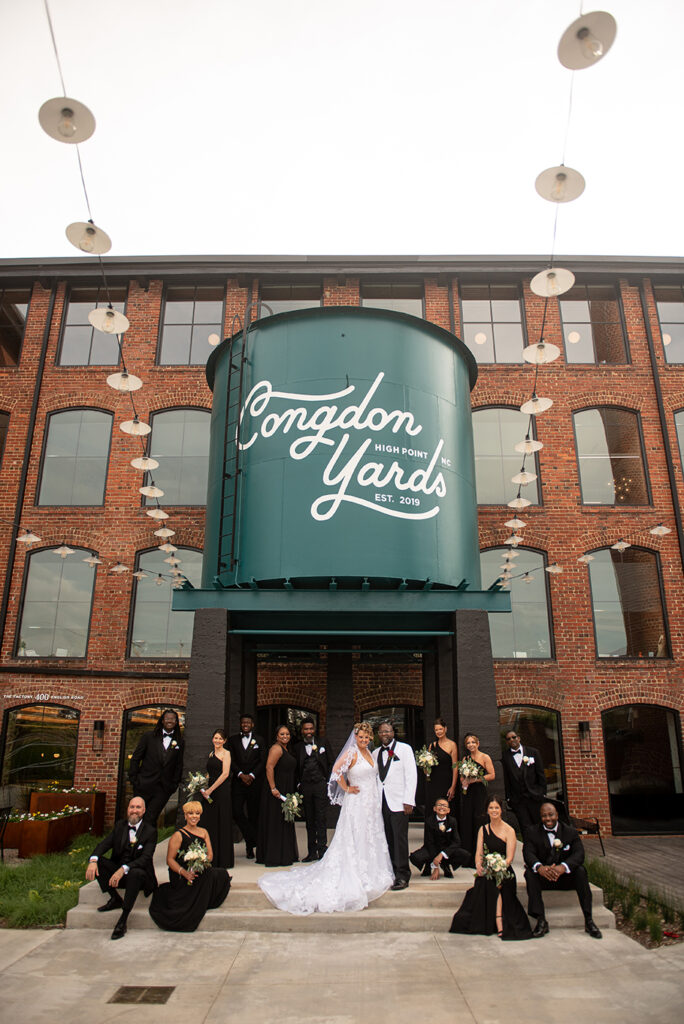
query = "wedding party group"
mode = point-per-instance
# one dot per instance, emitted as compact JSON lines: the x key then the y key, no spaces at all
{"x":261,"y":790}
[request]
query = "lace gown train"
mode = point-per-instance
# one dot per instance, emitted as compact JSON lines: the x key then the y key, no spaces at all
{"x":356,"y":868}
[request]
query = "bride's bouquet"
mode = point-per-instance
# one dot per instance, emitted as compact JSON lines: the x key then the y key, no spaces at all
{"x":494,"y":867}
{"x":292,"y":806}
{"x":195,"y":858}
{"x":471,"y":770}
{"x":426,"y":760}
{"x":196,"y":781}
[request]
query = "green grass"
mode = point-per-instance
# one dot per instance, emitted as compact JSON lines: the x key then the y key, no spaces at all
{"x":40,"y":892}
{"x":655,"y":928}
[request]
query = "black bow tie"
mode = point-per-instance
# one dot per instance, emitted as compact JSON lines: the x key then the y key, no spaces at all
{"x":169,"y":734}
{"x":134,"y":827}
{"x":550,"y":829}
{"x":441,"y":820}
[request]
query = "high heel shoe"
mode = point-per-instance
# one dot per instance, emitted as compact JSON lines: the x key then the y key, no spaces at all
{"x":499,"y":925}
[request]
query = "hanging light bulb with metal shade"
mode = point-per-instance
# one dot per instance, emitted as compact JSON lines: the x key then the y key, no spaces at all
{"x":560,"y":184}
{"x":536,"y":405}
{"x":523,"y":477}
{"x":527,"y":578}
{"x":169,"y":548}
{"x":554,"y":569}
{"x":542,"y":352}
{"x":28,"y":537}
{"x":92,"y":561}
{"x":119,"y":568}
{"x":660,"y":530}
{"x":63,"y":550}
{"x":528,"y":447}
{"x":145,"y":463}
{"x":151,"y":491}
{"x":164,"y":531}
{"x":89,"y":238}
{"x":514,"y":540}
{"x":124,"y":381}
{"x":159,"y":580}
{"x":214,"y":340}
{"x":585,"y":559}
{"x":587,"y":40}
{"x":552,"y":282}
{"x":139,"y":574}
{"x":156,"y":513}
{"x":172,"y":560}
{"x":515,"y":523}
{"x":66,"y":120}
{"x":135,"y":427}
{"x":108,"y":320}
{"x":620,"y":545}
{"x":519,"y":502}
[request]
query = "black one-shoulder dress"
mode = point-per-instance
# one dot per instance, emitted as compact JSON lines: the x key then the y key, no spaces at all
{"x":178,"y":906}
{"x":477,"y":913}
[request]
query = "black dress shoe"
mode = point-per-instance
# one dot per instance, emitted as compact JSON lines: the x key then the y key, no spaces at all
{"x":120,"y":927}
{"x":591,"y":929}
{"x":113,"y":903}
{"x":309,"y":857}
{"x":249,"y":853}
{"x":399,"y":884}
{"x":448,"y":873}
{"x":427,"y":871}
{"x":541,"y":929}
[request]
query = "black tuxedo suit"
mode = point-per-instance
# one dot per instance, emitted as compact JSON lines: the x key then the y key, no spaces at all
{"x":155,"y":771}
{"x":247,"y":796}
{"x":538,"y":850}
{"x":525,"y":786}
{"x":138,"y":857}
{"x":446,"y":841}
{"x":313,"y":772}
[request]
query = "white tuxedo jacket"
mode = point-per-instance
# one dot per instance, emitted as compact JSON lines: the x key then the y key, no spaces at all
{"x":401,"y":780}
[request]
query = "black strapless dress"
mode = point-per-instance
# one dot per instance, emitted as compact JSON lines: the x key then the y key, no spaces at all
{"x":217,"y":816}
{"x":477,"y":913}
{"x":439,"y":783}
{"x":178,"y":906}
{"x":277,"y":842}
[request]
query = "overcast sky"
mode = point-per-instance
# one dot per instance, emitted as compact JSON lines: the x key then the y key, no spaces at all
{"x":367,"y":126}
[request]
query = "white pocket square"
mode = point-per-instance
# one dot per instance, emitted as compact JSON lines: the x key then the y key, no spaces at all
{"x":321,"y":750}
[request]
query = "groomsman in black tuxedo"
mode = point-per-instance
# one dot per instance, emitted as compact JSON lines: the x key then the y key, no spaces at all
{"x":524,"y":780}
{"x":248,"y":752}
{"x":442,"y":847}
{"x":157,"y":763}
{"x":132,"y":842}
{"x":314,"y":765}
{"x":554,"y":859}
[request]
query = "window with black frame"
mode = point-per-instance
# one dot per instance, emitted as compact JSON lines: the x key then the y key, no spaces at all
{"x":40,"y":746}
{"x":58,"y":597}
{"x":81,"y":344}
{"x":539,"y":728}
{"x":627,"y":604}
{"x":402,"y":297}
{"x":610,"y":457}
{"x":271,"y":716}
{"x":492,"y":323}
{"x":75,"y":458}
{"x":592,"y":325}
{"x":180,"y":443}
{"x":14,"y":304}
{"x":670,"y":306}
{"x":157,"y":631}
{"x":190,"y":315}
{"x":495,"y":431}
{"x":283,"y":298}
{"x":137,"y":721}
{"x":526,"y":631}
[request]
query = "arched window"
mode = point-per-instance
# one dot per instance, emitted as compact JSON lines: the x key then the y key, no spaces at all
{"x":180,"y":442}
{"x":4,"y":427}
{"x":610,"y":457}
{"x":75,"y":458}
{"x":40,"y":746}
{"x":495,"y":432}
{"x":137,"y":721}
{"x":627,"y":603}
{"x":539,"y":728}
{"x":58,"y":596}
{"x":407,"y":720}
{"x":643,"y":765}
{"x":157,"y":631}
{"x":270,"y":716}
{"x":525,"y":632}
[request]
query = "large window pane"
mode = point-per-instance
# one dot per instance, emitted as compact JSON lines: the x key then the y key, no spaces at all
{"x":495,"y":432}
{"x":14,"y":303}
{"x":538,"y":728}
{"x":609,"y":452}
{"x":592,"y":326}
{"x":75,"y":458}
{"x":191,"y":314}
{"x":403,"y":298}
{"x":180,"y":442}
{"x":40,"y":747}
{"x":281,"y":298}
{"x":627,"y":604}
{"x":81,"y":344}
{"x":670,"y":306}
{"x":159,"y":632}
{"x":525,"y":631}
{"x":56,"y":615}
{"x":492,"y":322}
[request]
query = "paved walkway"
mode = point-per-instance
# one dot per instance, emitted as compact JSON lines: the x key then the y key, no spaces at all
{"x":339,"y":979}
{"x":654,"y":861}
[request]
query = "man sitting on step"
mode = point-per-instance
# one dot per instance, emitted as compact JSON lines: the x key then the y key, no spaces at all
{"x":442,"y":847}
{"x":554,"y":859}
{"x":132,"y":842}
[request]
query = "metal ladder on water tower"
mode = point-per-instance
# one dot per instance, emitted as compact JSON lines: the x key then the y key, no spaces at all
{"x":228,"y":542}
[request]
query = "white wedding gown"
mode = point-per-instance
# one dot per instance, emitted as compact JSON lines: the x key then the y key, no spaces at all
{"x":356,"y":867}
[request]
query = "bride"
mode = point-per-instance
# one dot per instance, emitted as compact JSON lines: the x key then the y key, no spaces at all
{"x":356,"y":867}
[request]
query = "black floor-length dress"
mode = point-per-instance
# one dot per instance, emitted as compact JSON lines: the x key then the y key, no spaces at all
{"x":472,"y":815}
{"x":178,"y":906}
{"x":477,"y":913}
{"x":217,"y":816}
{"x":439,"y":783}
{"x":277,"y":842}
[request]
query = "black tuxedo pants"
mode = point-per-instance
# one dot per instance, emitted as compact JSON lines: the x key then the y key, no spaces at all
{"x":155,"y":799}
{"x":133,"y":882}
{"x":425,"y":855}
{"x":526,"y":810}
{"x":396,"y":831}
{"x":246,"y":802}
{"x":316,"y":815}
{"x":577,"y":880}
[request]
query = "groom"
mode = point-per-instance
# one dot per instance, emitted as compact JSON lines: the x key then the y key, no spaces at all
{"x":398,"y":778}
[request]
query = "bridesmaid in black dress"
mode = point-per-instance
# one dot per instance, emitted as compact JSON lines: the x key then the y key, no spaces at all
{"x":217,"y":816}
{"x":277,"y":842}
{"x":180,"y":904}
{"x":474,"y":794}
{"x":487,"y":909}
{"x":444,"y":776}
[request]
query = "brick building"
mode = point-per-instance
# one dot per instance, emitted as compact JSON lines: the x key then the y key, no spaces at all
{"x":587,"y":665}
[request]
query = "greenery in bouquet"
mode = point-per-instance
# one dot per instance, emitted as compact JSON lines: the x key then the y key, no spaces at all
{"x":494,"y":867}
{"x":196,"y":857}
{"x":292,"y":806}
{"x":426,"y":760}
{"x":194,"y":782}
{"x":471,"y":770}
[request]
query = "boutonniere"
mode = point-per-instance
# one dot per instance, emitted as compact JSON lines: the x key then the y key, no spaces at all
{"x":253,"y":744}
{"x":442,"y":827}
{"x":557,"y":844}
{"x":525,"y":759}
{"x":392,"y":756}
{"x":314,"y":747}
{"x":174,"y":744}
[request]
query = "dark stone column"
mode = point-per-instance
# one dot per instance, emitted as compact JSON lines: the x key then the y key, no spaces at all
{"x":446,"y":686}
{"x":249,"y":682}
{"x":430,"y":711}
{"x":207,"y":685}
{"x":339,"y":700}
{"x":234,"y":684}
{"x":477,"y":709}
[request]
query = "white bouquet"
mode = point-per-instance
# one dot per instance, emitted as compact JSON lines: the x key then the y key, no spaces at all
{"x":196,"y":857}
{"x":494,"y":867}
{"x":292,"y":806}
{"x":426,"y":760}
{"x":471,"y":770}
{"x":196,"y":781}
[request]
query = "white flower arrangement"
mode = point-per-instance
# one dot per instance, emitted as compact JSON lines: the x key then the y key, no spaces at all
{"x":196,"y":857}
{"x":196,"y":781}
{"x":494,"y":867}
{"x":426,"y":760}
{"x":292,"y":806}
{"x":557,"y":844}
